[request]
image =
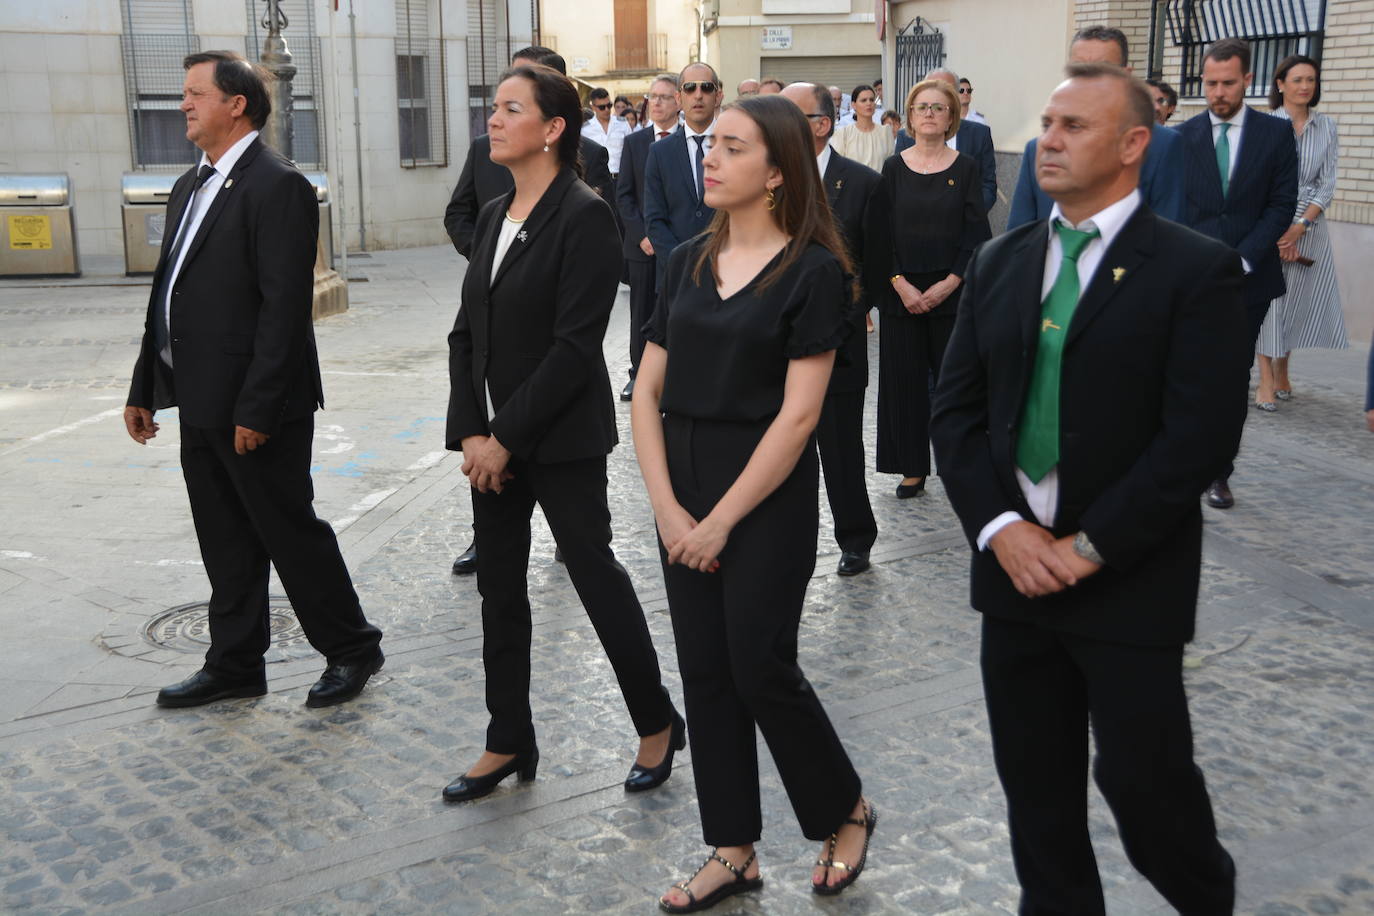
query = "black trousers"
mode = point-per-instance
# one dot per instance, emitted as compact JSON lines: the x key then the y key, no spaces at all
{"x":840,"y":437}
{"x":255,"y":511}
{"x":736,"y":633}
{"x":1255,"y":313}
{"x":1043,"y":691}
{"x":642,"y":298}
{"x":910,"y":350}
{"x":573,"y":497}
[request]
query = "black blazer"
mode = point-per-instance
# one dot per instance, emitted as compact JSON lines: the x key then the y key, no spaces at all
{"x":482,"y":181}
{"x":848,"y":187}
{"x":535,"y":333}
{"x":629,"y":189}
{"x":1260,"y":202}
{"x":1155,"y":371}
{"x":974,"y":140}
{"x":673,"y":212}
{"x":242,"y":342}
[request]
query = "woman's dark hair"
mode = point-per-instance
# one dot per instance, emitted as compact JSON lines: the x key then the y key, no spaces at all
{"x":801,"y":208}
{"x":556,"y":97}
{"x":1281,"y":74}
{"x":862,"y":87}
{"x":234,"y":75}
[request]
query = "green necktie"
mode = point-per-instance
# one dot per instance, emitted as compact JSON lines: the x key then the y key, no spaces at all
{"x":1224,"y":158}
{"x":1037,"y":447}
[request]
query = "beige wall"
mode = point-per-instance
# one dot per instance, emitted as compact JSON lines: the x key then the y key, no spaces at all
{"x":734,"y":47}
{"x":584,"y":30}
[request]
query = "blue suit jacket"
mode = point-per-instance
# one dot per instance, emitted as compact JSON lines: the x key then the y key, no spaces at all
{"x":629,"y":190}
{"x":673,"y":212}
{"x":1259,"y":203}
{"x":1161,"y":181}
{"x":975,"y":140}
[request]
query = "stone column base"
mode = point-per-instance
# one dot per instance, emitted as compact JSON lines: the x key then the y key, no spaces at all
{"x":331,"y":290}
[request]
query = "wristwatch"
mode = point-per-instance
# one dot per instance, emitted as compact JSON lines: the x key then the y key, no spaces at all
{"x":1305,"y":222}
{"x":1085,"y":549}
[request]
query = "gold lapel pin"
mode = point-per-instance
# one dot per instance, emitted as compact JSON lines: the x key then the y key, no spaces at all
{"x":229,"y":184}
{"x":951,"y":182}
{"x":1117,"y":274}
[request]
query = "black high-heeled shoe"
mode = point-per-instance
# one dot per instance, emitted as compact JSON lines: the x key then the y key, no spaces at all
{"x":909,"y":490}
{"x":466,"y":788}
{"x":644,"y":778}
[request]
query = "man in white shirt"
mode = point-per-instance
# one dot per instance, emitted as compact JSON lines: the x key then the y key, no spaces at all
{"x":1094,"y":383}
{"x":608,"y":131}
{"x":966,"y":110}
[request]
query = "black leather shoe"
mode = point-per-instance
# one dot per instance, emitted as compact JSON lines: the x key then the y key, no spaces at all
{"x":628,"y":392}
{"x":644,"y":778}
{"x":1219,"y":495}
{"x":341,"y":683}
{"x":466,"y":564}
{"x":558,"y":554}
{"x":908,"y":490}
{"x":466,"y":788}
{"x":852,"y":562}
{"x":204,"y":687}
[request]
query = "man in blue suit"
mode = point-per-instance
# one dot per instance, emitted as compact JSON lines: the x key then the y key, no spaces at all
{"x":674,"y":186}
{"x":1161,"y":175}
{"x":973,"y":139}
{"x":1242,"y":186}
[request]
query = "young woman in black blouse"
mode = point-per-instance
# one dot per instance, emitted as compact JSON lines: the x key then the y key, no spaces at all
{"x":730,"y":386}
{"x":926,"y":218}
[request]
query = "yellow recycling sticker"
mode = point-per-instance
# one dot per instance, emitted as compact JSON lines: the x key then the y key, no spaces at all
{"x":30,"y":231}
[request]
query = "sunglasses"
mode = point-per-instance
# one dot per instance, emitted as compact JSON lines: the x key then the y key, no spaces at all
{"x":708,"y":87}
{"x":966,"y":90}
{"x":602,"y":107}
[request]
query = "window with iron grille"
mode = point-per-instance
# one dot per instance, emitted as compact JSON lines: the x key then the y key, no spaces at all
{"x":920,"y":49}
{"x":1182,"y":30}
{"x":157,"y":36}
{"x":421,"y":84}
{"x":489,"y":50}
{"x":307,"y":87}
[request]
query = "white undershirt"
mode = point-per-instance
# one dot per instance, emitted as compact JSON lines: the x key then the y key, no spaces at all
{"x":509,"y":229}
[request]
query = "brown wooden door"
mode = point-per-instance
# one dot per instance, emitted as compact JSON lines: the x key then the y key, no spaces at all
{"x":631,"y":35}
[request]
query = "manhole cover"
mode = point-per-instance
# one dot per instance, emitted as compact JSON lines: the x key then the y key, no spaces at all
{"x":187,"y":628}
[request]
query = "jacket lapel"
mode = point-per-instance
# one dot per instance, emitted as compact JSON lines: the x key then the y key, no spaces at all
{"x":1249,"y":149}
{"x":833,"y":179}
{"x":1119,"y":264}
{"x":685,"y":162}
{"x":226,"y":192}
{"x":534,"y":224}
{"x":1205,"y":152}
{"x":1027,"y":278}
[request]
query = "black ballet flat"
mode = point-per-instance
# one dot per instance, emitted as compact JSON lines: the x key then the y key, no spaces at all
{"x":728,"y":889}
{"x":641,"y":779}
{"x":869,"y":822}
{"x":908,"y":490}
{"x":466,"y":788}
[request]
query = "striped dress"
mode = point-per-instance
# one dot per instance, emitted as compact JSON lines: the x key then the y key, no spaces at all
{"x":1309,"y":314}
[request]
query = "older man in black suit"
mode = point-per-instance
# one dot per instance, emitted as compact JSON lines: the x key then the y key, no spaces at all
{"x":1242,"y":187}
{"x":972,"y":139}
{"x":228,"y":340}
{"x":639,"y":252}
{"x":839,"y":434}
{"x":1093,"y":385}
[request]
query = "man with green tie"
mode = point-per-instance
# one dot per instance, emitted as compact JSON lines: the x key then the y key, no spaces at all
{"x":1094,"y":383}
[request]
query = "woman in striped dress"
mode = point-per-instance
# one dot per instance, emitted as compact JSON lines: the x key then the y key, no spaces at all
{"x":1309,"y":314}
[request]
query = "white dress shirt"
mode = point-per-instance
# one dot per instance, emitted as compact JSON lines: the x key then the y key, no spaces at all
{"x":1043,"y":497}
{"x":509,"y":229}
{"x":692,"y":149}
{"x":200,"y":205}
{"x":612,"y":136}
{"x":823,"y":160}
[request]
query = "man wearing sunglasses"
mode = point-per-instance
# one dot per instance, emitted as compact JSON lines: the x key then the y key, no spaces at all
{"x":605,"y":130}
{"x":674,"y":206}
{"x":966,"y":110}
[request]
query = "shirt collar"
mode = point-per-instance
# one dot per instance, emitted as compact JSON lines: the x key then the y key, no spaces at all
{"x":231,"y":156}
{"x":655,"y":128}
{"x":1236,"y":120}
{"x":823,"y":160}
{"x":1107,"y":221}
{"x":687,"y":129}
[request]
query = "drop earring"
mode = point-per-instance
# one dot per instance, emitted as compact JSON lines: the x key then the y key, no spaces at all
{"x":546,"y":147}
{"x":770,"y":197}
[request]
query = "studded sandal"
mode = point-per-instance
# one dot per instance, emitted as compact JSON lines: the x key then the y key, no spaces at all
{"x":728,"y":889}
{"x":869,"y":822}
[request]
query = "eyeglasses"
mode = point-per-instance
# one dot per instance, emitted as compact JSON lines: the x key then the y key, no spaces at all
{"x":933,"y":107}
{"x":708,"y":87}
{"x":661,"y":98}
{"x":602,"y":107}
{"x":817,"y":116}
{"x":966,"y":90}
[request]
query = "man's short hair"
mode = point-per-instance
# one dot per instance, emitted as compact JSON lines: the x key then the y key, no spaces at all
{"x":665,"y":78}
{"x":538,"y":54}
{"x":1106,"y":33}
{"x":599,"y":93}
{"x":236,"y":75}
{"x":825,"y":105}
{"x":890,"y":114}
{"x":1170,"y":93}
{"x":1139,"y":110}
{"x":946,"y":71}
{"x":771,"y":82}
{"x":1227,"y":48}
{"x":715,"y":77}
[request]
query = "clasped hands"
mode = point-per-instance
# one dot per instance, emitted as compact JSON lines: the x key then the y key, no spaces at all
{"x":1037,"y":562}
{"x":693,"y":544}
{"x":1288,"y":242}
{"x":917,"y":302}
{"x":484,"y":463}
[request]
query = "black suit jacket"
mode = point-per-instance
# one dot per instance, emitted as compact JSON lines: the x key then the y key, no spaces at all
{"x":1154,"y":376}
{"x":1260,"y":202}
{"x":673,"y":212}
{"x":629,"y":189}
{"x":975,"y":140}
{"x":482,"y":181}
{"x":534,"y":334}
{"x":848,"y":186}
{"x":243,"y":346}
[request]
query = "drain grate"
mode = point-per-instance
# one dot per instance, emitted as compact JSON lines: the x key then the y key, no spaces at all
{"x":186,"y":628}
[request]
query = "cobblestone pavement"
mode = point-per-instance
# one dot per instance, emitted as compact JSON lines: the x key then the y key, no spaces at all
{"x":108,"y":804}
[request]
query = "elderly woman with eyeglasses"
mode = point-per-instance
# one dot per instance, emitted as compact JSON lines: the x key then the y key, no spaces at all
{"x":926,"y":218}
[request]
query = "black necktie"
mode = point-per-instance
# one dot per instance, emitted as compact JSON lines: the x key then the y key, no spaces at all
{"x":700,"y":155}
{"x":160,"y":331}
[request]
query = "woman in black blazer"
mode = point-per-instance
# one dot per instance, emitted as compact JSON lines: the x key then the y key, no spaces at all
{"x":530,"y":408}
